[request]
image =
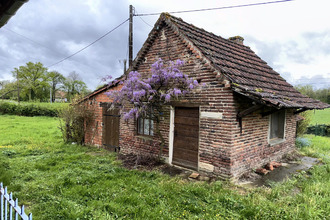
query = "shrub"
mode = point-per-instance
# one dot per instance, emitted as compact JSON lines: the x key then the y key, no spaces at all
{"x":302,"y":142}
{"x":303,"y":124}
{"x":27,"y":109}
{"x":72,"y":122}
{"x":321,"y":130}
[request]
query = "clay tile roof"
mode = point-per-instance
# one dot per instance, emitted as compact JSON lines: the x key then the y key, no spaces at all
{"x":248,"y":73}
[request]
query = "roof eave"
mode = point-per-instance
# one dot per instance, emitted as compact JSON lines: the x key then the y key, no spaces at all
{"x":276,"y":104}
{"x":106,"y":87}
{"x":10,"y":10}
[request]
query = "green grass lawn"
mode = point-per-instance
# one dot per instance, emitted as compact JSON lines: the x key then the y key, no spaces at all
{"x":320,"y":116}
{"x":65,"y":181}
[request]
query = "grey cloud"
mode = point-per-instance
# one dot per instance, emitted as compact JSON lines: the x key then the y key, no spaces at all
{"x":54,"y":23}
{"x":317,"y":81}
{"x":315,"y":44}
{"x":318,"y":42}
{"x":269,"y":52}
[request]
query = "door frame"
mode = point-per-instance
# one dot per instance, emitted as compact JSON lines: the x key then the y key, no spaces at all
{"x":171,"y":133}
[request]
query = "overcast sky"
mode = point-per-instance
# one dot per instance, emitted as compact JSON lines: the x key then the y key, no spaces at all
{"x":292,"y":37}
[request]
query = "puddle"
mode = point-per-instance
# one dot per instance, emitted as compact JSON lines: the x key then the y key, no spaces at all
{"x":282,"y":173}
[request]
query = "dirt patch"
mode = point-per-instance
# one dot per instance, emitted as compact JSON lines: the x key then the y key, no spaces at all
{"x":143,"y":162}
{"x":150,"y":162}
{"x":171,"y":170}
{"x":291,"y":157}
{"x":249,"y":177}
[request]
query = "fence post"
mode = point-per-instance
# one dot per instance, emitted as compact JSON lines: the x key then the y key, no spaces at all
{"x":16,"y":205}
{"x":10,"y":207}
{"x":1,"y":208}
{"x":5,"y":194}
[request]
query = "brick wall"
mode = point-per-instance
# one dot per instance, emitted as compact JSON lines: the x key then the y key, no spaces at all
{"x":223,"y":149}
{"x":215,"y":135}
{"x":250,"y":149}
{"x":93,"y":135}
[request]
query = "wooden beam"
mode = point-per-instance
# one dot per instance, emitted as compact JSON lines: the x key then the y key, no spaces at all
{"x":105,"y":104}
{"x":300,"y":110}
{"x":187,"y":104}
{"x":270,"y":112}
{"x":248,"y":111}
{"x":130,"y":37}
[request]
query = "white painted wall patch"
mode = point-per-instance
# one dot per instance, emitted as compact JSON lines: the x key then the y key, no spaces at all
{"x":214,"y":115}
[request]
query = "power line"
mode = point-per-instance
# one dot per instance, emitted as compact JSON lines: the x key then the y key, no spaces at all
{"x":219,"y":8}
{"x":144,"y":20}
{"x":89,"y":44}
{"x":35,"y":42}
{"x":27,"y":38}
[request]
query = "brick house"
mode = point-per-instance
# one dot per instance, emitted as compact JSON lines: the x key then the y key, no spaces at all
{"x":244,"y":116}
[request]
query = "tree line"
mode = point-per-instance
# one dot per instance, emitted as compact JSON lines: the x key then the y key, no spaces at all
{"x":320,"y":94}
{"x":33,"y":82}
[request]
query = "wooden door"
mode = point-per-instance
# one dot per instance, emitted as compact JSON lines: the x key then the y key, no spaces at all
{"x":111,"y":120}
{"x":186,"y":135}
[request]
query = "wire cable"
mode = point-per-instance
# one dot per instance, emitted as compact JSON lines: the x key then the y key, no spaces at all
{"x":219,"y":8}
{"x":29,"y":39}
{"x":143,"y":20}
{"x":35,"y":42}
{"x":109,"y":32}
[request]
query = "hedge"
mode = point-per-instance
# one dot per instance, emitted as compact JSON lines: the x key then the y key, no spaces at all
{"x":26,"y":110}
{"x":321,"y":130}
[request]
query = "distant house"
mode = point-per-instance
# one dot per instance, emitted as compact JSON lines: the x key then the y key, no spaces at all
{"x":244,"y":117}
{"x":60,"y":96}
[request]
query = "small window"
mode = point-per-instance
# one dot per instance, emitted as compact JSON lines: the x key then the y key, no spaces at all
{"x":277,"y":122}
{"x":145,"y":126}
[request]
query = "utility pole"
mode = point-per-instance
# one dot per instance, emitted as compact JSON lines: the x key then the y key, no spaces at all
{"x":125,"y":61}
{"x":17,"y":87}
{"x":130,"y":37}
{"x":50,"y":95}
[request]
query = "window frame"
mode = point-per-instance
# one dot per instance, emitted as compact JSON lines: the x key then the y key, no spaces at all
{"x":151,"y":126}
{"x":277,"y":139}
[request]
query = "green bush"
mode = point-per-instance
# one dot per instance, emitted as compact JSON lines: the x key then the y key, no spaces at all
{"x":72,"y":122}
{"x":303,"y":124}
{"x":27,"y":109}
{"x":321,"y":130}
{"x":302,"y":142}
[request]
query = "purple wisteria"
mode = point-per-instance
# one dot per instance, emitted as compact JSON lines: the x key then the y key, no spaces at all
{"x":146,"y":96}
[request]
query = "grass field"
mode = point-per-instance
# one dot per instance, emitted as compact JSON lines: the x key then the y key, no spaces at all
{"x":65,"y":181}
{"x":320,"y":116}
